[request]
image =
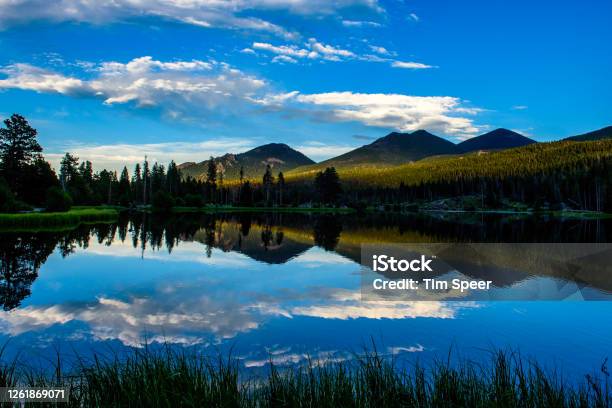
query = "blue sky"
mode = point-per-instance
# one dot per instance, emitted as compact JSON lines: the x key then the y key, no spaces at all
{"x":176,"y":79}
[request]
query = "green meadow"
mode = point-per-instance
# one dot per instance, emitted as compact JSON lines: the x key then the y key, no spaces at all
{"x":45,"y":220}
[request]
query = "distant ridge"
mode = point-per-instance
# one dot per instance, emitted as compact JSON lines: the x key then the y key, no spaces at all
{"x":390,"y":150}
{"x":603,"y":133}
{"x":395,"y":148}
{"x":495,"y":140}
{"x":278,"y":155}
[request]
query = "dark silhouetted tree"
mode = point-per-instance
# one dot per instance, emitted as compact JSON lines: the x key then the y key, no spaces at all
{"x":328,"y":186}
{"x":18,"y":149}
{"x":268,"y":181}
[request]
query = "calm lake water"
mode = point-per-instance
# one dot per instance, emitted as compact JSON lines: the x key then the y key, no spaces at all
{"x":284,"y":287}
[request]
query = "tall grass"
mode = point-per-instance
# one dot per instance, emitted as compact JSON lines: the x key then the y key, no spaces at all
{"x":171,"y":379}
{"x":73,"y":217}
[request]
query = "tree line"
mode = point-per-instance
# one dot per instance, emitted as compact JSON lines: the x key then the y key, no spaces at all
{"x":28,"y":180}
{"x":556,"y":175}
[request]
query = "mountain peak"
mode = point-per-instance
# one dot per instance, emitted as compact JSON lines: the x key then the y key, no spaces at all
{"x":494,"y":140}
{"x":502,"y":131}
{"x":395,"y":148}
{"x":421,"y":132}
{"x":279,"y":156}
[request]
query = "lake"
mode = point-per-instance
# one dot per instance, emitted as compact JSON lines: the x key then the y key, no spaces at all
{"x":285,"y":288}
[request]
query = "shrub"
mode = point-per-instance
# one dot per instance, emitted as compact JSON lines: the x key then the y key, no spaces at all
{"x":7,"y":199}
{"x":194,"y":200}
{"x":58,"y":200}
{"x":163,"y":201}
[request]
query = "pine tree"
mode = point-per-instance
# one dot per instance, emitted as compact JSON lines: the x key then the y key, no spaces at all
{"x":68,"y":170}
{"x":281,"y":186}
{"x":268,"y":181}
{"x":124,"y":192}
{"x":18,"y":149}
{"x":211,"y":179}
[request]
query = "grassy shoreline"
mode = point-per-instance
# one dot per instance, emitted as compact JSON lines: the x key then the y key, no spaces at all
{"x":174,"y":378}
{"x":232,"y":209}
{"x":103,"y":214}
{"x":54,"y":220}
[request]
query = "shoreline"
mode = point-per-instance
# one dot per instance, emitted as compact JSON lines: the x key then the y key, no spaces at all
{"x":39,"y":221}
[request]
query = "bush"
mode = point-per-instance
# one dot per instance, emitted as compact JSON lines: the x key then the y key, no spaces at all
{"x":58,"y":200}
{"x":7,"y":199}
{"x":163,"y":201}
{"x":194,"y":200}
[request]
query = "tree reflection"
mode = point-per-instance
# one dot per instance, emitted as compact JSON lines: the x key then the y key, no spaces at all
{"x":21,"y":257}
{"x":327,"y":229}
{"x":272,"y":239}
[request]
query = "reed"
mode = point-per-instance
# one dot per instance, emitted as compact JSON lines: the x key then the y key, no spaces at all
{"x":73,"y":217}
{"x":170,"y":378}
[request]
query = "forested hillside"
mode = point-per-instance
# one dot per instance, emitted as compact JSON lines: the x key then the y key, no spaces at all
{"x":579,"y":174}
{"x":600,"y":134}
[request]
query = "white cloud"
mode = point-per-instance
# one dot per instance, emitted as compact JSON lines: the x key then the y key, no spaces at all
{"x":360,"y":23}
{"x":329,"y":52}
{"x":414,"y":17}
{"x":176,"y":87}
{"x":520,"y":107}
{"x":345,"y":305}
{"x":230,"y":14}
{"x":410,"y":65}
{"x":380,"y":50}
{"x":410,"y":349}
{"x":24,"y":76}
{"x":313,"y":49}
{"x":287,"y":50}
{"x":443,"y":114}
{"x":203,"y":90}
{"x":284,"y":59}
{"x":203,"y":13}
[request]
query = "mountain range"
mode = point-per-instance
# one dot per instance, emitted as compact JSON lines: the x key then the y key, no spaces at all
{"x":390,"y":150}
{"x":253,"y":162}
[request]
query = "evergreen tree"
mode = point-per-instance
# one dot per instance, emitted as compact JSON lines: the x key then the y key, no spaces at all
{"x":281,"y":186}
{"x":124,"y":192}
{"x":137,"y":184}
{"x":328,"y":185}
{"x":268,"y":181}
{"x":18,"y":149}
{"x":68,"y":170}
{"x":146,"y":182}
{"x":173,"y":179}
{"x":211,"y":179}
{"x":41,"y":177}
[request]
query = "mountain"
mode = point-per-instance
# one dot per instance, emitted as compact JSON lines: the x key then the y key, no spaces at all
{"x":495,"y":140}
{"x":604,"y":133}
{"x":278,"y":155}
{"x":395,"y":148}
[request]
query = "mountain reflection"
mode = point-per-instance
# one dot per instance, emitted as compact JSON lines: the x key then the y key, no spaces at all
{"x":279,"y":238}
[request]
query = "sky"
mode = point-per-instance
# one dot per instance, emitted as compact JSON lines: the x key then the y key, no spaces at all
{"x":114,"y":80}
